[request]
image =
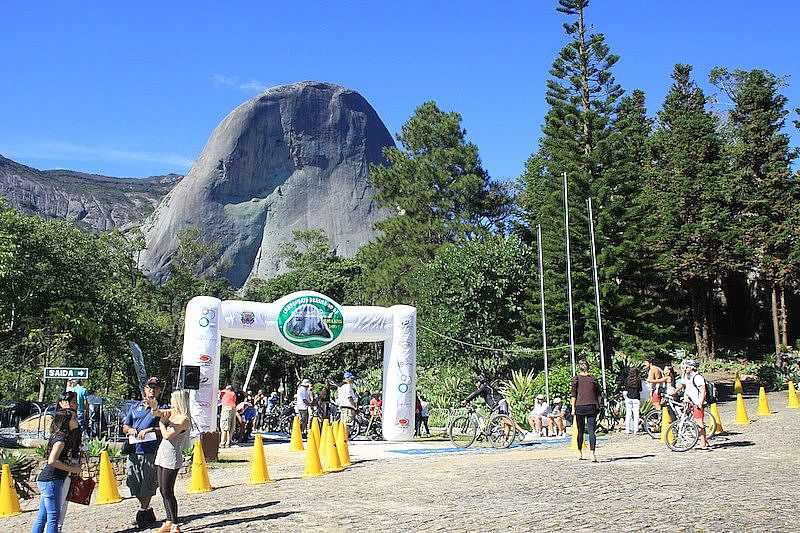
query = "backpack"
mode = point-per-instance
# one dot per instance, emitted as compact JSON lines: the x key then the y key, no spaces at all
{"x":711,"y":393}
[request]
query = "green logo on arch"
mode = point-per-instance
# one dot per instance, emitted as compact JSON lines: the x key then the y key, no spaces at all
{"x":310,"y":321}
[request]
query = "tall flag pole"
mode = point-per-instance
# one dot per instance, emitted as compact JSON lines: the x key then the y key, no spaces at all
{"x":569,"y":279}
{"x":544,"y":322}
{"x":597,"y":298}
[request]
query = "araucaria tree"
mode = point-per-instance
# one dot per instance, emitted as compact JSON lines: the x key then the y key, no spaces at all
{"x":768,"y":197}
{"x":582,"y":94}
{"x":688,"y":199}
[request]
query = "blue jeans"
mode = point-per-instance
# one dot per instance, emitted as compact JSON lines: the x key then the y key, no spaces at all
{"x":49,"y":503}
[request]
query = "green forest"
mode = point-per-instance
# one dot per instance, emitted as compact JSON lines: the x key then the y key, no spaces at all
{"x":697,"y":229}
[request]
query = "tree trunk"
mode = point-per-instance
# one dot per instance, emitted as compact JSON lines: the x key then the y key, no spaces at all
{"x":784,"y":316}
{"x":776,"y":329}
{"x":702,"y":303}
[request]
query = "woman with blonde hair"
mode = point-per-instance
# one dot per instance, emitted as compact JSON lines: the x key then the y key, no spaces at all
{"x":175,"y":425}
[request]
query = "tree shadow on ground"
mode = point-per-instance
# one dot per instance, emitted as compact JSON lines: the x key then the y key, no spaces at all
{"x":629,"y":457}
{"x":245,"y":520}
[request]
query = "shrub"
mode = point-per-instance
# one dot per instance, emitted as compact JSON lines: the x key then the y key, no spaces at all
{"x":444,"y":385}
{"x":520,"y":391}
{"x":96,"y":446}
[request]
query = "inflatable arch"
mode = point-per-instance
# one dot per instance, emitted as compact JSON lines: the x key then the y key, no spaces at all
{"x":304,"y":323}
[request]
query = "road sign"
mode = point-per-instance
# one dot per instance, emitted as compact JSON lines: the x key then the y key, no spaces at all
{"x":66,"y":373}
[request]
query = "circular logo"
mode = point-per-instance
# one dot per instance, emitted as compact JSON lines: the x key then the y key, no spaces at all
{"x":403,"y":387}
{"x":203,"y":322}
{"x":310,"y":321}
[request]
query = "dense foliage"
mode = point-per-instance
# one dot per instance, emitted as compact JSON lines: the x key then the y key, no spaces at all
{"x":697,"y":228}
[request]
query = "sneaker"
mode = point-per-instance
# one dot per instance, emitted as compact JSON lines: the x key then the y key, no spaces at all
{"x":150,"y":516}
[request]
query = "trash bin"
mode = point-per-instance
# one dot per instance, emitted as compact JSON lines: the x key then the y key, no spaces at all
{"x":210,"y":443}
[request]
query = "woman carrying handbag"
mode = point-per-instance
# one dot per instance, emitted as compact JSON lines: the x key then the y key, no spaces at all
{"x":51,"y":479}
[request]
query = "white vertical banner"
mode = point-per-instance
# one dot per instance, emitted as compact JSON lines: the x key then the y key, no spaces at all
{"x":201,"y":347}
{"x":400,"y":376}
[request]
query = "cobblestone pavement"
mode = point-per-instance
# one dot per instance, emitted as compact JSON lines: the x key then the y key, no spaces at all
{"x":747,"y":483}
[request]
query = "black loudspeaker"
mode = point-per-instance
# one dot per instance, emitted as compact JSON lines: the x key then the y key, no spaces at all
{"x":188,"y":377}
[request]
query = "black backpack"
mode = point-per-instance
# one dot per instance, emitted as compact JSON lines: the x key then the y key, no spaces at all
{"x":711,"y":393}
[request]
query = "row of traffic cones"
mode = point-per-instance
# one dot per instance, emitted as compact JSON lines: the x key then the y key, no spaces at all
{"x":327,"y":448}
{"x":763,"y":405}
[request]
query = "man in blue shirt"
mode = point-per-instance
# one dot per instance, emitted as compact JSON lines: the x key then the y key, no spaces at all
{"x":83,"y":406}
{"x":141,"y":428}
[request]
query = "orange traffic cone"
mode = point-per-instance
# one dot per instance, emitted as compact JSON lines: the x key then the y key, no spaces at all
{"x":763,"y":405}
{"x":258,"y":468}
{"x":341,"y":446}
{"x":199,"y":483}
{"x":108,"y":490}
{"x":9,"y":501}
{"x":793,"y":402}
{"x":296,"y":444}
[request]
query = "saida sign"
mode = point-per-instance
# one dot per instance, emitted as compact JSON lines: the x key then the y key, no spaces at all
{"x":66,"y":373}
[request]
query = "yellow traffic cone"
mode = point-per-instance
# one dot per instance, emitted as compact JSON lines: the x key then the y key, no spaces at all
{"x":258,"y":468}
{"x":666,"y":420}
{"x":296,"y":444}
{"x":108,"y":490}
{"x":312,"y":438}
{"x":763,"y":405}
{"x":341,"y":446}
{"x":200,"y":481}
{"x":313,"y":467}
{"x":316,"y":430}
{"x":717,"y":418}
{"x":793,"y":402}
{"x":737,"y":385}
{"x":9,"y":501}
{"x":322,"y":439}
{"x":330,"y":462}
{"x":741,"y":411}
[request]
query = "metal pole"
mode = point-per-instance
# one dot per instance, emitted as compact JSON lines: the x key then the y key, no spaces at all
{"x":597,"y":298}
{"x":569,"y":279}
{"x":252,"y":365}
{"x":544,"y":321}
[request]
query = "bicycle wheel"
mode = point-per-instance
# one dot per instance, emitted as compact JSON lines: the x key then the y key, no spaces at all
{"x":682,"y":436}
{"x":501,"y":431}
{"x":355,"y":428}
{"x":652,"y":423}
{"x":463,"y":431}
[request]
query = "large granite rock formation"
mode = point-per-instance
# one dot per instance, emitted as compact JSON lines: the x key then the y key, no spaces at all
{"x":294,"y":157}
{"x":90,"y":200}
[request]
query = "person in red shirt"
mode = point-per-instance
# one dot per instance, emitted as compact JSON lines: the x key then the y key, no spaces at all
{"x":227,"y":417}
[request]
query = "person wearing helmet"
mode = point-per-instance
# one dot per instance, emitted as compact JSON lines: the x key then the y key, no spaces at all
{"x":303,"y":400}
{"x":694,"y":385}
{"x":494,"y":400}
{"x":347,"y":400}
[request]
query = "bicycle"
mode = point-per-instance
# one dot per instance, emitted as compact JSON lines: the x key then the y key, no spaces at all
{"x":498,"y":429}
{"x":652,"y":421}
{"x":684,"y":432}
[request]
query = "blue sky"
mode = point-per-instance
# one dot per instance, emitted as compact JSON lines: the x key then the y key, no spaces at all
{"x":133,"y":91}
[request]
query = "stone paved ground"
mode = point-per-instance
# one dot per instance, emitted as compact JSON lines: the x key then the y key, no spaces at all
{"x":747,"y":483}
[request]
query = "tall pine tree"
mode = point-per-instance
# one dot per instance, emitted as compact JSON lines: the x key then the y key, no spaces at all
{"x":582,"y":94}
{"x":767,"y":196}
{"x":688,"y":201}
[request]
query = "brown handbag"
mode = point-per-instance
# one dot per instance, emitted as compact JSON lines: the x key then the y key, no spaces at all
{"x":80,"y":489}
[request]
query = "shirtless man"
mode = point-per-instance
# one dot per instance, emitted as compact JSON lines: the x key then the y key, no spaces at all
{"x":655,"y":377}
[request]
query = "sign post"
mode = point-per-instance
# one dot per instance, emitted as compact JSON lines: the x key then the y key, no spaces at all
{"x":65,"y":373}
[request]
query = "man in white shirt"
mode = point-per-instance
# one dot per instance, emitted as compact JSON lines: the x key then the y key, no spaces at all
{"x":539,"y":415}
{"x":695,"y":392}
{"x":347,"y":400}
{"x":302,"y":402}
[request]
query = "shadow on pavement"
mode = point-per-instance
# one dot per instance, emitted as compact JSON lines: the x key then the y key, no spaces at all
{"x":734,"y":444}
{"x":244,"y":520}
{"x":189,"y":518}
{"x":630,"y":457}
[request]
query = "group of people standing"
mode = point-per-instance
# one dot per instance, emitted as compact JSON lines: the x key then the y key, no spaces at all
{"x":346,"y":400}
{"x":156,"y":435}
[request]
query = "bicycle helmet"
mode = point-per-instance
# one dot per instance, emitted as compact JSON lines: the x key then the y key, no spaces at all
{"x":480,"y":378}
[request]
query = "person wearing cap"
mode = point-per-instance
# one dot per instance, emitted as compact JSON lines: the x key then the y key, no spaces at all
{"x":303,"y":400}
{"x":557,"y":415}
{"x":539,"y":417}
{"x":347,"y":400}
{"x":227,"y":415}
{"x":141,"y":428}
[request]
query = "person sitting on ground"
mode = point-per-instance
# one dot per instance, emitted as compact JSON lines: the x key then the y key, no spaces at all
{"x":557,"y":416}
{"x":539,"y":418}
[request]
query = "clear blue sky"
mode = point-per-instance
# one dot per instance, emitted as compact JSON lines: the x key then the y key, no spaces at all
{"x":134,"y":89}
